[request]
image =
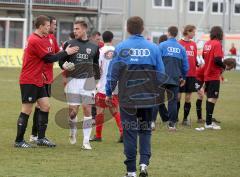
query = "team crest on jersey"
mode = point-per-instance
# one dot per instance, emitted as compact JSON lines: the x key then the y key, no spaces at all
{"x":109,"y":54}
{"x":191,"y":47}
{"x":88,"y":50}
{"x":51,"y":41}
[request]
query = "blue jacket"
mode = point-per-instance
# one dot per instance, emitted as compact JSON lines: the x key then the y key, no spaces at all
{"x":175,"y":60}
{"x":133,"y":67}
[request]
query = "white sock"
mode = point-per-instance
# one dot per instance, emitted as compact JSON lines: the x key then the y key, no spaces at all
{"x":73,"y":125}
{"x":143,"y":166}
{"x":87,"y":129}
{"x":132,"y":174}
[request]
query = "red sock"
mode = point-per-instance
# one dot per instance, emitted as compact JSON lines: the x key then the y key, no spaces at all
{"x":99,"y":125}
{"x":116,"y":115}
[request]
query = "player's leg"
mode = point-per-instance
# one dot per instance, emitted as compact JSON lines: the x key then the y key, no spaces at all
{"x":87,"y":126}
{"x":172,"y":106}
{"x":130,"y":134}
{"x":200,"y":97}
{"x":44,"y":104}
{"x":72,"y":121}
{"x":29,"y":97}
{"x":144,"y":139}
{"x":33,"y":136}
{"x":187,"y":107}
{"x":99,"y":121}
{"x":212,"y":89}
{"x":115,"y":113}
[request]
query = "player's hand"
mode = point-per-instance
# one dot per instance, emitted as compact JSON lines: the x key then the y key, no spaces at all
{"x":108,"y":101}
{"x":71,"y":50}
{"x":69,"y":66}
{"x":182,"y":82}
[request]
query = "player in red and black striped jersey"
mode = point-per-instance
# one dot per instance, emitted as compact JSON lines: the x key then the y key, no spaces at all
{"x":213,"y":55}
{"x":47,"y":74}
{"x":37,"y":52}
{"x":189,"y":87}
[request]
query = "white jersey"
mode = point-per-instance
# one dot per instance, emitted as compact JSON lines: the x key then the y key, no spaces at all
{"x":105,"y":56}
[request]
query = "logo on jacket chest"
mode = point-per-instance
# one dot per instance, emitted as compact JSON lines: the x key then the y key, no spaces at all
{"x":82,"y":56}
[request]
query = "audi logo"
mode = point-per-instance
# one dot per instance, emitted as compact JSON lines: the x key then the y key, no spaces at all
{"x":173,"y":50}
{"x":139,"y":52}
{"x":82,"y":56}
{"x":135,"y":52}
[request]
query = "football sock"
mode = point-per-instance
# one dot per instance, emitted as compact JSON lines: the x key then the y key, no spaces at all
{"x":73,"y":125}
{"x":117,"y":117}
{"x":35,"y":122}
{"x":99,"y":125}
{"x":187,"y":107}
{"x":199,"y":108}
{"x":87,"y":129}
{"x":209,"y":112}
{"x":21,"y":126}
{"x":42,"y":124}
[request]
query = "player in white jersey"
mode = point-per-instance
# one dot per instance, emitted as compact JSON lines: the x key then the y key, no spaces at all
{"x":106,"y":54}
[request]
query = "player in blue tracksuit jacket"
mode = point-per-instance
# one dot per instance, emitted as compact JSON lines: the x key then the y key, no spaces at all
{"x":176,"y":67}
{"x":139,"y":71}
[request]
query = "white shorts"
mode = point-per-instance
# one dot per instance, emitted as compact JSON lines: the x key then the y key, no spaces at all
{"x":80,"y":91}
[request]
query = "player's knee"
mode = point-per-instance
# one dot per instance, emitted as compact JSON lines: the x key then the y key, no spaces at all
{"x":72,"y":113}
{"x":45,"y":107}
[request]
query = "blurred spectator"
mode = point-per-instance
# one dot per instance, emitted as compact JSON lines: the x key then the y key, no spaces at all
{"x":233,"y":50}
{"x":95,"y":37}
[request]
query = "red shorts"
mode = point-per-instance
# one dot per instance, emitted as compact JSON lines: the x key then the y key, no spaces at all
{"x":100,"y":100}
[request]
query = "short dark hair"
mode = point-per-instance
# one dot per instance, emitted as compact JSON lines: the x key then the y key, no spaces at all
{"x":107,"y":36}
{"x":216,"y":32}
{"x":173,"y":30}
{"x":94,"y":33}
{"x":41,"y":20}
{"x":162,"y":38}
{"x":51,"y":18}
{"x":82,"y":23}
{"x":135,"y":25}
{"x":188,"y":28}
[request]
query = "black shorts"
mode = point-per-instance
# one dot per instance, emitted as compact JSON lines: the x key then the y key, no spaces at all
{"x":189,"y":86}
{"x":212,"y":88}
{"x":48,"y":89}
{"x":31,"y":93}
{"x":198,"y":84}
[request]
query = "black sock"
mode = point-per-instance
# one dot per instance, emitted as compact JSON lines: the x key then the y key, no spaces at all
{"x":199,"y":108}
{"x":35,"y":121}
{"x":94,"y":111}
{"x":21,"y":126}
{"x":209,"y":110}
{"x":178,"y":107}
{"x":42,"y":124}
{"x":187,"y":107}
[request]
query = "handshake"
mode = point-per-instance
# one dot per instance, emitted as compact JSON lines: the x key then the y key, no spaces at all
{"x":69,"y":66}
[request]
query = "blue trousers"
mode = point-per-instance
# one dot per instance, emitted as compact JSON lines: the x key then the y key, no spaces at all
{"x":136,"y":122}
{"x":172,"y":95}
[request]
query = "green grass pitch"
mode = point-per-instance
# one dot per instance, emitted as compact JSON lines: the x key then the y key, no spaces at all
{"x":186,"y":153}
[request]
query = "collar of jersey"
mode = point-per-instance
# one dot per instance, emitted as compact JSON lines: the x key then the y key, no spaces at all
{"x":136,"y":36}
{"x":172,"y":39}
{"x":80,"y":40}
